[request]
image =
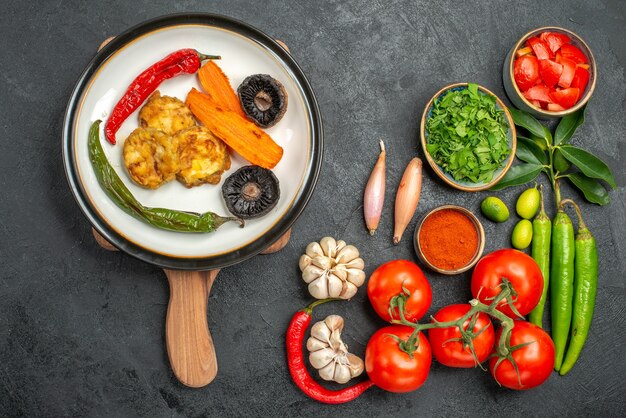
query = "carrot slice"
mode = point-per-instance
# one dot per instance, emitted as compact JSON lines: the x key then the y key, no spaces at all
{"x":243,"y":136}
{"x":217,"y":86}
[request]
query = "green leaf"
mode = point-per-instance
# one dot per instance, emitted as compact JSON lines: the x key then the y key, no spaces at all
{"x":592,"y":189}
{"x":530,"y":152}
{"x":529,"y":123}
{"x":588,"y":163}
{"x":519,"y":174}
{"x":568,"y":126}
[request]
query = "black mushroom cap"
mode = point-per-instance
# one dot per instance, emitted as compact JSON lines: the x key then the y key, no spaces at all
{"x":263,"y":99}
{"x":251,"y":191}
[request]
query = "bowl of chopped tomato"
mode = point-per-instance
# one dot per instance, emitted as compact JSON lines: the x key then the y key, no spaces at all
{"x":550,"y":72}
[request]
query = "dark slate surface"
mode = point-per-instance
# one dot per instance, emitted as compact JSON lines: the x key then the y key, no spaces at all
{"x":82,"y":330}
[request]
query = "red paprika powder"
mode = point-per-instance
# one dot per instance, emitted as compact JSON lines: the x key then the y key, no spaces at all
{"x":448,"y":239}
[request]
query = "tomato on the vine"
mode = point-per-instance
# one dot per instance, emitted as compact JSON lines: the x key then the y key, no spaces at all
{"x":519,"y":269}
{"x":389,"y":364}
{"x":534,"y":358}
{"x":447,"y":344}
{"x":392,"y":279}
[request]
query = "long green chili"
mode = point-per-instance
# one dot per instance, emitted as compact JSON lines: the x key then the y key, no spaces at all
{"x":171,"y":220}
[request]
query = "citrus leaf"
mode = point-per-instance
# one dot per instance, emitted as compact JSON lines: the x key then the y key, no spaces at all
{"x":529,"y":123}
{"x":568,"y":126}
{"x":588,"y":163}
{"x":528,"y":151}
{"x":593,"y":191}
{"x":519,"y":174}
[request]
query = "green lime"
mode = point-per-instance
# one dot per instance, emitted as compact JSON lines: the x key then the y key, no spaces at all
{"x":528,"y":203}
{"x":522,"y":234}
{"x":560,"y":163}
{"x":494,"y":209}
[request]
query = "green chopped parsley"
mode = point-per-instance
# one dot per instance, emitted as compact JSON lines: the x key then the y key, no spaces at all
{"x":467,"y":135}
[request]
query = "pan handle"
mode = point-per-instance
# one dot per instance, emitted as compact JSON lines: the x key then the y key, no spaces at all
{"x":189,"y":344}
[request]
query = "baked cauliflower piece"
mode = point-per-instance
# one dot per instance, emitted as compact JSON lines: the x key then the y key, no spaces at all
{"x":165,"y":113}
{"x":202,"y":157}
{"x":151,"y":157}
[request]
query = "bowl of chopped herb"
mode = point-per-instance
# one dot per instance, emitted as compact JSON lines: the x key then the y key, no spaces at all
{"x":468,"y":136}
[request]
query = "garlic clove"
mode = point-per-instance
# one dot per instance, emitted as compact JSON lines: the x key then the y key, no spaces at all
{"x":347,"y":254}
{"x":329,"y":246}
{"x":355,"y":364}
{"x":322,"y":358}
{"x":328,"y":372}
{"x":335,"y":286}
{"x":357,"y":263}
{"x":319,"y":288}
{"x":355,"y":276}
{"x":340,"y":271}
{"x":314,"y":249}
{"x":321,"y":331}
{"x":313,"y":344}
{"x":311,"y":273}
{"x":342,"y":373}
{"x":304,"y":262}
{"x":340,"y":244}
{"x":322,"y":262}
{"x":334,"y":322}
{"x":348,"y":290}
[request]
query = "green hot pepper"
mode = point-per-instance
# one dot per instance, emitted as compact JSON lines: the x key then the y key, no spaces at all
{"x":540,"y":251}
{"x":585,"y":285}
{"x":561,"y":282}
{"x":171,"y":220}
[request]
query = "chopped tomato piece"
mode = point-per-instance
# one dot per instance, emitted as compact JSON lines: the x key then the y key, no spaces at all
{"x":540,"y":49}
{"x":569,"y":68}
{"x":523,"y":51}
{"x":569,"y":51}
{"x":580,"y":80}
{"x":536,"y":103}
{"x":585,"y":66}
{"x":553,"y":107}
{"x":526,"y":71}
{"x":554,"y":40}
{"x":540,"y":92}
{"x":566,"y":98}
{"x":550,"y":72}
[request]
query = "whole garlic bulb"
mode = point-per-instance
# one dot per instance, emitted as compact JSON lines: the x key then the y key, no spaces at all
{"x":329,"y":355}
{"x":332,"y":269}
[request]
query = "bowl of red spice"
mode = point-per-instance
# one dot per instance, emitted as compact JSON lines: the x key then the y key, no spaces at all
{"x":449,"y":240}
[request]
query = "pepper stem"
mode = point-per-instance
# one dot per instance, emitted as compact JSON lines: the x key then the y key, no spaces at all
{"x":204,"y":57}
{"x":581,"y":223}
{"x":310,"y":307}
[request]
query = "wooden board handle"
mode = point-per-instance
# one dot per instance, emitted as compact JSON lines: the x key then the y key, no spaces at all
{"x":189,"y":343}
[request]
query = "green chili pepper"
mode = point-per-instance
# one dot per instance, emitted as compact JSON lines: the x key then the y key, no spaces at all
{"x":540,"y":251}
{"x":561,"y":282}
{"x":585,"y":285}
{"x":171,"y":220}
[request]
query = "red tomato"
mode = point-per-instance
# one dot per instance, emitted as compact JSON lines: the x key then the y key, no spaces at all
{"x":554,"y":40}
{"x":392,"y":369}
{"x":569,"y":69}
{"x":553,"y":107}
{"x":387,"y":281}
{"x":453,"y":353}
{"x":534,"y":361}
{"x":580,"y":80}
{"x":565,"y":97}
{"x":539,"y":92}
{"x":550,"y":72}
{"x":540,"y":49}
{"x":519,"y":269}
{"x":526,"y":72}
{"x":571,"y":52}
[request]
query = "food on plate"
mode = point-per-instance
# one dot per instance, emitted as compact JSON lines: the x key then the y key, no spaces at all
{"x":551,"y":72}
{"x":168,"y":219}
{"x":298,"y":370}
{"x":585,"y":286}
{"x":467,"y":134}
{"x":332,"y":269}
{"x":202,"y":157}
{"x":243,"y":136}
{"x":532,"y":354}
{"x":561,"y":282}
{"x":494,"y":209}
{"x":463,"y":350}
{"x":510,"y":266}
{"x":217,"y":86}
{"x":528,"y":203}
{"x":263,"y":99}
{"x":399,"y":287}
{"x":540,"y":252}
{"x":151,"y":157}
{"x":448,"y":239}
{"x":374,"y":195}
{"x":251,"y":192}
{"x":397,"y":359}
{"x":522,"y":234}
{"x":165,"y":113}
{"x":184,"y":61}
{"x":329,"y":355}
{"x":407,"y":197}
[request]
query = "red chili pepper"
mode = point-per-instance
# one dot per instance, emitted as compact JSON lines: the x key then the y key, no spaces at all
{"x":179,"y":62}
{"x":301,"y":377}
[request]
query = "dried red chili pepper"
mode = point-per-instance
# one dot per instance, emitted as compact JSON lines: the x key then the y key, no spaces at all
{"x":184,"y":61}
{"x":297,"y":368}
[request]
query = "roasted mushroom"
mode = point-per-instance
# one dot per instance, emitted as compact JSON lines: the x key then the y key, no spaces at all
{"x":263,"y":99}
{"x":251,"y":191}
